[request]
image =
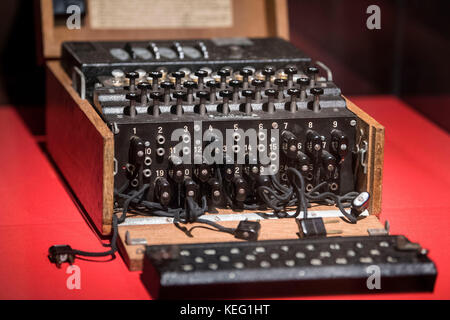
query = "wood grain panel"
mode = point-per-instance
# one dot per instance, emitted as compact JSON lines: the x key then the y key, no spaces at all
{"x":270,"y":230}
{"x":81,"y":145}
{"x":373,"y":133}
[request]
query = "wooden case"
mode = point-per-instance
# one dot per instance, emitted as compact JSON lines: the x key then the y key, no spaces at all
{"x":82,"y":146}
{"x":251,"y":18}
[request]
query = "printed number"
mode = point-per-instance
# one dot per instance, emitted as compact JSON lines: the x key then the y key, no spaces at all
{"x":160,"y":173}
{"x":159,"y":129}
{"x":310,"y":124}
{"x":335,"y":124}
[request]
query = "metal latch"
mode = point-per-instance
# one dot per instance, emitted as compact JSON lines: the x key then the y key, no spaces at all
{"x":134,"y":241}
{"x":379,"y":231}
{"x":361,"y":150}
{"x":404,"y":244}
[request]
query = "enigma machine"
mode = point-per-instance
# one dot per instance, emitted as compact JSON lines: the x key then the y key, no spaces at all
{"x":231,"y":163}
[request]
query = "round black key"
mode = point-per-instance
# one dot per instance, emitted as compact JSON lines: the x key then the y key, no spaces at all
{"x":316,"y":91}
{"x":179,"y":94}
{"x":235,"y":83}
{"x":189,"y":84}
{"x":248,"y":93}
{"x":178,"y":74}
{"x":271,"y":92}
{"x":144,"y":85}
{"x":167,"y":85}
{"x":312,"y":70}
{"x":155,"y":74}
{"x":226,"y":94}
{"x":268,"y":71}
{"x":280,"y":82}
{"x":201,"y":73}
{"x":293,"y":92}
{"x":224,"y":72}
{"x":303,"y":81}
{"x":202,"y":95}
{"x":290,"y":70}
{"x":157,"y":96}
{"x":212,"y":84}
{"x":246,"y":72}
{"x":132,"y":96}
{"x":132,"y":75}
{"x":257,"y":83}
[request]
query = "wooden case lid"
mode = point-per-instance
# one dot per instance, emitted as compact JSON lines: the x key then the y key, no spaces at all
{"x":140,"y":20}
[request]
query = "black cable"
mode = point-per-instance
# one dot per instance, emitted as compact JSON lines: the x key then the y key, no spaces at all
{"x":278,"y":197}
{"x":292,"y":174}
{"x":191,"y":214}
{"x":216,"y":225}
{"x":110,"y":252}
{"x":337,"y":202}
{"x":128,"y":201}
{"x":115,"y":222}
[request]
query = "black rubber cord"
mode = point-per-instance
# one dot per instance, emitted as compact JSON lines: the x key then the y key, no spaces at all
{"x":279,"y":197}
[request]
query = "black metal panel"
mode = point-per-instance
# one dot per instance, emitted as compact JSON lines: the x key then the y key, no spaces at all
{"x":95,"y":59}
{"x":285,"y":267}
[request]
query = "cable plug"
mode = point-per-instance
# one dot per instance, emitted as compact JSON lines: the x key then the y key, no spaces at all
{"x":59,"y":254}
{"x":315,"y":227}
{"x":247,"y":230}
{"x":360,"y":203}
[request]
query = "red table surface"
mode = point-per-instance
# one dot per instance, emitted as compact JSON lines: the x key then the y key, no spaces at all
{"x":37,"y":211}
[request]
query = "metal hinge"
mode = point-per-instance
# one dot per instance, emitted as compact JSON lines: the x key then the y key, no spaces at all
{"x":379,"y":232}
{"x":361,"y":152}
{"x":81,"y":88}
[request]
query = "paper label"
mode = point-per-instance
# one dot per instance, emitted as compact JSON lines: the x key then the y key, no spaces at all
{"x":160,"y":14}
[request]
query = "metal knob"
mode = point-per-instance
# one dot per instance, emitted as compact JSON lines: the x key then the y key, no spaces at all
{"x":294,"y":93}
{"x":144,"y":87}
{"x":316,"y":103}
{"x":132,"y":76}
{"x":226,"y":95}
